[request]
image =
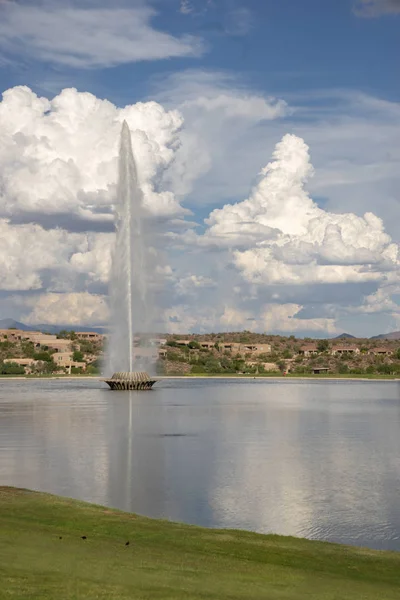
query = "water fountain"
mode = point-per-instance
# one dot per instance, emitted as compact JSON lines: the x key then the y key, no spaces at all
{"x":129,"y":298}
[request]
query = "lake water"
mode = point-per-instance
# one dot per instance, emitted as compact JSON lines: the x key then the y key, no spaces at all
{"x":317,"y":459}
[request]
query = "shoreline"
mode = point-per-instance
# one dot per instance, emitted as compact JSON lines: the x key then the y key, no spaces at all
{"x":56,"y":547}
{"x":217,"y":376}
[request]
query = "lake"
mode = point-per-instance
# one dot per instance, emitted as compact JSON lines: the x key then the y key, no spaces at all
{"x":316,"y":459}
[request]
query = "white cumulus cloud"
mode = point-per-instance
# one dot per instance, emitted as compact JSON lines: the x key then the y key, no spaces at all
{"x":290,"y":239}
{"x":59,"y":156}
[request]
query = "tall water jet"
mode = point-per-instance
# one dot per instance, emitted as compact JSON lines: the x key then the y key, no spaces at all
{"x":129,"y":298}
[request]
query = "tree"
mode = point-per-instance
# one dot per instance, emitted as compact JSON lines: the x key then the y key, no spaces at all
{"x":43,"y":356}
{"x":398,"y":354}
{"x":281,"y":366}
{"x":77,"y":356}
{"x":322,"y":345}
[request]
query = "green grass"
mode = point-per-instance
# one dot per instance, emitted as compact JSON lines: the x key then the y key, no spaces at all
{"x":42,"y":556}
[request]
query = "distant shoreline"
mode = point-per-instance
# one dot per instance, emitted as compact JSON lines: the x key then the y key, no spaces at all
{"x":217,"y":376}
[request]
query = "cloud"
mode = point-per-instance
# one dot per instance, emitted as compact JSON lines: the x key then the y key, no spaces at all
{"x":293,"y":241}
{"x":218,"y":111}
{"x":58,"y":158}
{"x":324,"y":265}
{"x":375,"y":8}
{"x":219,"y":156}
{"x":87,"y":37}
{"x":188,"y":285}
{"x":227,"y":317}
{"x":186,"y":8}
{"x":28,"y":252}
{"x":68,"y":309}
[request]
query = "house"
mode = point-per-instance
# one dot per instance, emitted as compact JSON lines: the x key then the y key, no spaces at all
{"x":229,"y":347}
{"x":11,"y":335}
{"x":345,"y":350}
{"x":64,"y":360}
{"x":50,"y":341}
{"x":183,"y":342}
{"x":90,"y":335}
{"x":207,"y":345}
{"x":24,"y":362}
{"x":309,"y":350}
{"x":380,"y":351}
{"x":261,"y":348}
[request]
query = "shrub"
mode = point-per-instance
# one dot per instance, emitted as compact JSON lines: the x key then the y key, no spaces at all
{"x":11,"y":369}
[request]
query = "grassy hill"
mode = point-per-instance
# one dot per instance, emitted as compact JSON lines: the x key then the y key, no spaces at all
{"x":53,"y":547}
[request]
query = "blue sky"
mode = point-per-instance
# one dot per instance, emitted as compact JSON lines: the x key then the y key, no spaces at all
{"x":241,"y":75}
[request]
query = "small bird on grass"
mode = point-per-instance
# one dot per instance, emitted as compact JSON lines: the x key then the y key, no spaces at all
{"x":127,"y":544}
{"x":84,"y":537}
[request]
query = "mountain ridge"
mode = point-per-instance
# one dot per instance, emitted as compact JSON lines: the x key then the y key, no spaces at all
{"x":53,"y":329}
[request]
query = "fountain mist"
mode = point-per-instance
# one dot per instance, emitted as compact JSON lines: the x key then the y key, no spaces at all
{"x":129,"y":298}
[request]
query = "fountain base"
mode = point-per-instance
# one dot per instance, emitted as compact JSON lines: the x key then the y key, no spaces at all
{"x":123,"y":380}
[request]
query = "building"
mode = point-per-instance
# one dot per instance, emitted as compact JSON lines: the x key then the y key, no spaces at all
{"x":24,"y":362}
{"x":13,"y":335}
{"x":182,"y":342}
{"x":89,"y":335}
{"x":338,"y":350}
{"x":309,"y":350}
{"x":256,"y":348}
{"x":320,"y":370}
{"x":233,"y":347}
{"x":380,"y":351}
{"x":41,"y":340}
{"x":64,"y":360}
{"x":207,"y":345}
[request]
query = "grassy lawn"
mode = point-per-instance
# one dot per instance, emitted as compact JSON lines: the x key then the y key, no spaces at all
{"x":43,"y":556}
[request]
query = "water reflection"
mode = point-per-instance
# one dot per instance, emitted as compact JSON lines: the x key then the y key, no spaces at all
{"x":319,"y":459}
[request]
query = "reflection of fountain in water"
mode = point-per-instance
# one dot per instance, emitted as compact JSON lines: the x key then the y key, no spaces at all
{"x":129,"y":298}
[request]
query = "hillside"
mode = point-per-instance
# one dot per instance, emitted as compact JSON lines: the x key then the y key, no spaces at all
{"x":395,"y":335}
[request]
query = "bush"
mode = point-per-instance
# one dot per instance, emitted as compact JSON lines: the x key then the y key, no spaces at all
{"x":198,"y":369}
{"x":384,"y":369}
{"x":194,"y":345}
{"x":172,"y":344}
{"x":11,"y":369}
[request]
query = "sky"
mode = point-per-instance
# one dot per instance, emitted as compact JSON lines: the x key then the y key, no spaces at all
{"x":267,"y":140}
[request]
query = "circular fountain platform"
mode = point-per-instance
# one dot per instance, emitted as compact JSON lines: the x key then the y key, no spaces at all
{"x":136,"y":380}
